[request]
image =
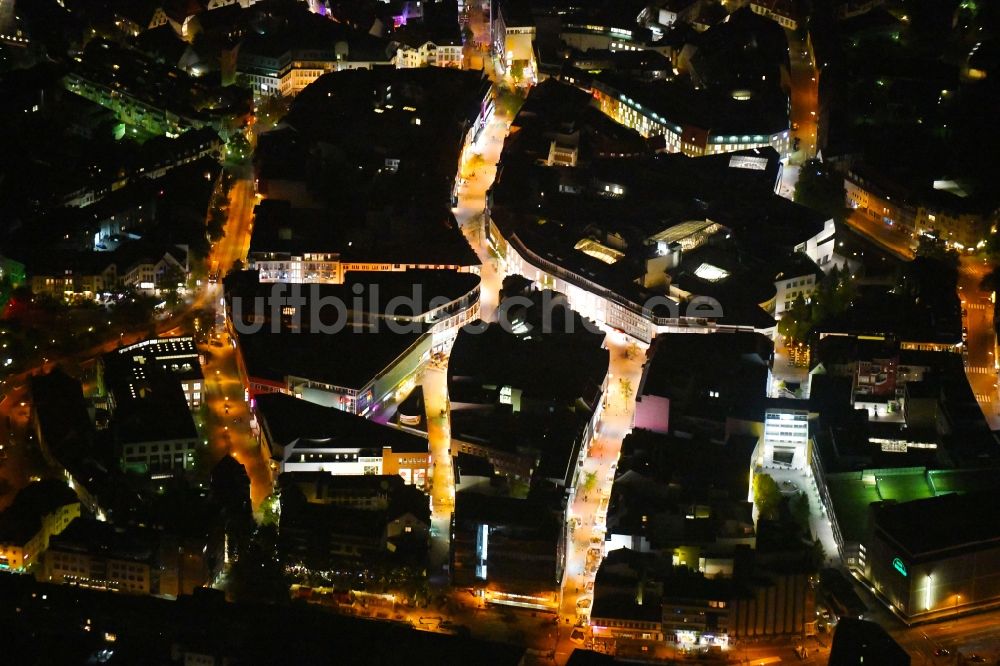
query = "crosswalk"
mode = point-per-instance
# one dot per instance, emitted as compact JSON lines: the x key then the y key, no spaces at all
{"x":983,"y":398}
{"x":978,"y":306}
{"x":980,"y":370}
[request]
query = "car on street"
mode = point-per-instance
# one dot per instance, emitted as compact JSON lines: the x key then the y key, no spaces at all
{"x":577,"y":636}
{"x":583,"y":603}
{"x":942,"y":652}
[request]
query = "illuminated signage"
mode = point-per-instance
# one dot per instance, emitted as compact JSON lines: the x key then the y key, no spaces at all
{"x":898,"y":565}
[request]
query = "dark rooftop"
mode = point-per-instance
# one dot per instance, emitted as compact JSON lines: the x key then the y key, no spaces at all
{"x":350,"y":358}
{"x":864,"y":642}
{"x":289,"y":420}
{"x":935,"y":527}
{"x":23,"y":519}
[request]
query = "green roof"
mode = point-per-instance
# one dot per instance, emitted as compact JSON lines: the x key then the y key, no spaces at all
{"x":852,"y":492}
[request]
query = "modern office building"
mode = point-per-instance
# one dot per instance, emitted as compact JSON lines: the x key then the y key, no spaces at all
{"x":151,"y":389}
{"x":786,"y":438}
{"x":177,"y":355}
{"x":936,"y":557}
{"x":356,"y":369}
{"x":442,"y":300}
{"x":300,"y":436}
{"x":510,"y":551}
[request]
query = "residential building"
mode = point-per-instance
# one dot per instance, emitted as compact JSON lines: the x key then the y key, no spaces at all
{"x":155,"y":98}
{"x":92,"y":275}
{"x":942,"y":209}
{"x":641,"y":602}
{"x":684,"y":498}
{"x":697,"y":383}
{"x":780,"y":11}
{"x":418,"y":46}
{"x":332,"y":522}
{"x":299,"y":247}
{"x":40,"y":511}
{"x":799,"y":276}
{"x":94,"y":554}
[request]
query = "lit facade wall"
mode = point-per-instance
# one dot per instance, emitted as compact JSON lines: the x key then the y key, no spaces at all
{"x":96,"y":571}
{"x":598,"y":303}
{"x":786,"y":438}
{"x":326,"y":268}
{"x":392,"y":383}
{"x":691,"y":141}
{"x":429,"y":54}
{"x":918,"y":588}
{"x":412,"y":467}
{"x":965,"y":231}
{"x":864,"y":195}
{"x":19,"y":556}
{"x":777,"y":12}
{"x":161,"y":457}
{"x":788,"y":289}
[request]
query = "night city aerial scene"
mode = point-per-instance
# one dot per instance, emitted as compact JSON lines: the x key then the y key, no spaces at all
{"x":499,"y":332}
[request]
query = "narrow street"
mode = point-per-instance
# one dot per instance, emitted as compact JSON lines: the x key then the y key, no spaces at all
{"x":977,"y":319}
{"x":805,"y":98}
{"x":435,"y":386}
{"x":588,"y":513}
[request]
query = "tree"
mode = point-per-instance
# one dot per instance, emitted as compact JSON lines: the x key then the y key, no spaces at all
{"x":258,"y":576}
{"x":821,"y":189}
{"x":797,"y":322}
{"x":589,"y":482}
{"x":932,"y":247}
{"x":171,"y":281}
{"x":798,"y":506}
{"x":508,"y":102}
{"x":766,"y":496}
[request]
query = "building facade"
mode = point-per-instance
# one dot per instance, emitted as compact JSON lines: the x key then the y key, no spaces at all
{"x":681,"y":137}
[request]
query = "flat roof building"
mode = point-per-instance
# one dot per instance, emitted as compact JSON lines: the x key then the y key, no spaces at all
{"x":355,"y":369}
{"x":300,"y":436}
{"x":932,"y":558}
